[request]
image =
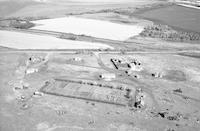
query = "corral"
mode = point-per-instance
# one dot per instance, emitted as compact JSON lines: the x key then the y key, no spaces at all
{"x":87,"y":90}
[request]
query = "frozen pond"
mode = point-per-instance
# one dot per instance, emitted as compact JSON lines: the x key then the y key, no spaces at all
{"x":89,"y":27}
{"x":20,"y":40}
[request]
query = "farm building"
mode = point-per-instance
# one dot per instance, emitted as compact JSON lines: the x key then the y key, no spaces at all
{"x":107,"y":76}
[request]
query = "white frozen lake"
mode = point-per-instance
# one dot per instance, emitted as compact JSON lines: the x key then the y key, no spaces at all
{"x":20,"y":40}
{"x":90,"y":27}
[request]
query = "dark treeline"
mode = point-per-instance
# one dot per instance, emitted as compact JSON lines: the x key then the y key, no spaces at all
{"x":16,"y":23}
{"x":19,"y":22}
{"x":167,"y":33}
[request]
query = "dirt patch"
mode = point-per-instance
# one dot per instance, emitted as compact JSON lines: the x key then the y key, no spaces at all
{"x":175,"y":75}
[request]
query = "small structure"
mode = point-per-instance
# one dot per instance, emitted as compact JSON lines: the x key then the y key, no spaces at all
{"x":119,"y":63}
{"x":135,"y":65}
{"x":31,"y":70}
{"x":20,"y":85}
{"x":125,"y":64}
{"x":35,"y":59}
{"x":107,"y":76}
{"x":77,"y":59}
{"x":130,"y":95}
{"x":139,"y":98}
{"x":38,"y":94}
{"x":157,"y":75}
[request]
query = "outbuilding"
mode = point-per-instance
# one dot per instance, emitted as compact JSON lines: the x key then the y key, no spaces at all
{"x":107,"y":76}
{"x":31,"y":70}
{"x":77,"y":59}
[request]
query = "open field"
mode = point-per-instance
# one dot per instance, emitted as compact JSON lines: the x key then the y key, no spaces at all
{"x":179,"y":17}
{"x":172,"y":100}
{"x":59,"y":8}
{"x":9,"y":7}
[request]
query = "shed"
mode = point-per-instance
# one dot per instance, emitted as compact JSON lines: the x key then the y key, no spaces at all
{"x":107,"y":76}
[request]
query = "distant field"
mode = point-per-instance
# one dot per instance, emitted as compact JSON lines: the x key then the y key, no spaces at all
{"x":89,"y":27}
{"x":30,"y":41}
{"x":176,"y":16}
{"x":11,"y":6}
{"x":58,"y":8}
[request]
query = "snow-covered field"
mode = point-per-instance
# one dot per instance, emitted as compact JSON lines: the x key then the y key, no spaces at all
{"x":90,"y":27}
{"x":20,"y":40}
